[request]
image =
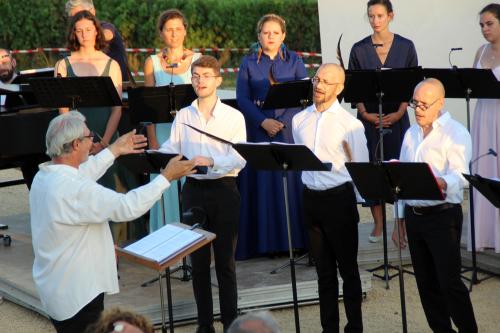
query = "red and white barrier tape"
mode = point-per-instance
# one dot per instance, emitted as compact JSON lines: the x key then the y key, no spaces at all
{"x":153,"y":50}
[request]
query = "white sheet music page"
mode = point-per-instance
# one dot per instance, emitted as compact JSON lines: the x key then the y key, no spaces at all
{"x":164,"y":243}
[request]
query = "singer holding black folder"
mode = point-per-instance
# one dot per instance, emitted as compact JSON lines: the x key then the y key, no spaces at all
{"x":330,"y":213}
{"x":215,"y":192}
{"x":484,"y":132}
{"x":433,"y":227}
{"x":382,"y":49}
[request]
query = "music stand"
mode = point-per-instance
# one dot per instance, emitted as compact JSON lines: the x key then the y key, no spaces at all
{"x":75,"y":92}
{"x":391,"y":182}
{"x":289,"y":94}
{"x":159,"y":104}
{"x":152,"y":105}
{"x":378,"y":86}
{"x":165,"y":267}
{"x":283,"y":157}
{"x":151,"y":162}
{"x":468,"y":83}
{"x":283,"y":95}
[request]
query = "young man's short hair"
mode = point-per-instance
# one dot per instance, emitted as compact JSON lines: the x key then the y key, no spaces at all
{"x":207,"y":61}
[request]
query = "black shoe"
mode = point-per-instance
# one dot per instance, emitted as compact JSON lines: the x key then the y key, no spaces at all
{"x":205,"y":329}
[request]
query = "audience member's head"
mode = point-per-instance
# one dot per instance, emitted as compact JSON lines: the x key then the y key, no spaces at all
{"x":117,"y":320}
{"x":7,"y":66}
{"x":255,"y":322}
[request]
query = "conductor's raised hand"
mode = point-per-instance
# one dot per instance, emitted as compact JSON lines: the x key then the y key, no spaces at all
{"x":129,"y":143}
{"x":176,"y":168}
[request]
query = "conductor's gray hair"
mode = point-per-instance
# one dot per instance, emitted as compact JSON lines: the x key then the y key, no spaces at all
{"x":85,"y":4}
{"x":62,"y":131}
{"x":262,"y":322}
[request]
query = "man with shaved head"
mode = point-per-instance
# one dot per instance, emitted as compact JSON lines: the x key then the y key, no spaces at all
{"x":330,"y":211}
{"x":434,"y":227}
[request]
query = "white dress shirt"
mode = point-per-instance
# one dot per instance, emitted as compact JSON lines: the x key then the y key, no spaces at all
{"x":226,"y":123}
{"x":73,"y":247}
{"x":447,"y":150}
{"x":324,"y":133}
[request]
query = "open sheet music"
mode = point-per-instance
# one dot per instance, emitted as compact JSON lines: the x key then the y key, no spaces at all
{"x":164,"y":243}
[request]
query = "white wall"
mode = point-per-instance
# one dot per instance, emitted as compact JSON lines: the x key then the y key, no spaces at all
{"x":434,"y":26}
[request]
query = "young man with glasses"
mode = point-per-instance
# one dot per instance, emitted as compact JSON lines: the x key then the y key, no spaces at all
{"x":434,"y":227}
{"x":215,"y":192}
{"x":75,"y":261}
{"x":330,"y":211}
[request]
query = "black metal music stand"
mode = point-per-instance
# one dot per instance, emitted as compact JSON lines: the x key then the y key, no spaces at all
{"x":75,"y":92}
{"x":283,"y":157}
{"x":289,"y":94}
{"x":468,"y":83}
{"x":379,"y":86}
{"x":159,"y":104}
{"x":152,"y":105}
{"x":391,"y":182}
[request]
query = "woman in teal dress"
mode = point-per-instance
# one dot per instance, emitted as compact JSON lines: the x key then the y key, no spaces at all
{"x":171,"y":65}
{"x":86,"y":41}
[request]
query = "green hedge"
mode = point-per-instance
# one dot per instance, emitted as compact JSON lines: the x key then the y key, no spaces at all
{"x":27,"y":24}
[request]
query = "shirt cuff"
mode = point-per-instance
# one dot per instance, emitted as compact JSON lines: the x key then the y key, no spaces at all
{"x":162,"y":181}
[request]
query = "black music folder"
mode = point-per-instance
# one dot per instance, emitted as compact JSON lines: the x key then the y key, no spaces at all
{"x":488,"y":187}
{"x":159,"y":104}
{"x":151,"y":161}
{"x":273,"y":156}
{"x":390,"y":181}
{"x":290,"y":94}
{"x":397,"y":85}
{"x":75,"y":92}
{"x":466,"y":82}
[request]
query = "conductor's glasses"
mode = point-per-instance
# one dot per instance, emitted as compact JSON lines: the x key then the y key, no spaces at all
{"x":414,"y":104}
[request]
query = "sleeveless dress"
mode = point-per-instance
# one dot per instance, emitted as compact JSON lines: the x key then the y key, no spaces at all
{"x":170,"y":196}
{"x":97,"y":120}
{"x":485,"y":134}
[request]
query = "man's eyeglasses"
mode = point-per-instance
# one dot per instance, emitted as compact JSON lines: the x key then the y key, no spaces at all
{"x":197,"y":78}
{"x":316,"y":80}
{"x":91,"y":136}
{"x":414,"y":104}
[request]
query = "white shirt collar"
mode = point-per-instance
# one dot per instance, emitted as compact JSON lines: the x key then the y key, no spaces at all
{"x":216,"y":110}
{"x":334,"y":108}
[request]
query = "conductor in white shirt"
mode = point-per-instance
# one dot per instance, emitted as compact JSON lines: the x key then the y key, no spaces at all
{"x":331,"y":215}
{"x":74,"y":254}
{"x":433,"y":227}
{"x":215,"y":192}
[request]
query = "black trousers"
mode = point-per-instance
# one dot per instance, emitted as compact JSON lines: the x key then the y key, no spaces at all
{"x":434,"y":241}
{"x":220,"y":200}
{"x":88,"y":315}
{"x":331,"y":218}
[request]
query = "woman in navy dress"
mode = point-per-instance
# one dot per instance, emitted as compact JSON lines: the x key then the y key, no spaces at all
{"x":382,"y":49}
{"x":263,"y":222}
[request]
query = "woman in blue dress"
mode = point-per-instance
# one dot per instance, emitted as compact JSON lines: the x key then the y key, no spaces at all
{"x":382,"y":49}
{"x":172,"y":64}
{"x":263,"y":222}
